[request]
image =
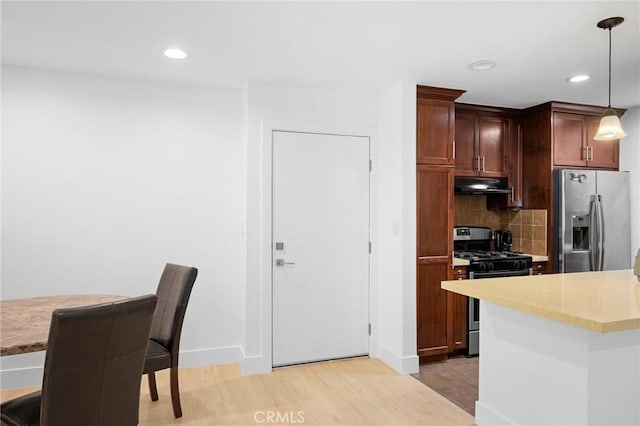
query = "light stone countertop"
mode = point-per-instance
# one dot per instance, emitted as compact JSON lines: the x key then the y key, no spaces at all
{"x":603,"y":301}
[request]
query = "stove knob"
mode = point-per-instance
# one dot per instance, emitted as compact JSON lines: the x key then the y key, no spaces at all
{"x":490,"y":266}
{"x":483,"y":266}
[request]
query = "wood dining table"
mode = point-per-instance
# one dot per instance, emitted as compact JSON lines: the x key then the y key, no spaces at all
{"x":24,"y":323}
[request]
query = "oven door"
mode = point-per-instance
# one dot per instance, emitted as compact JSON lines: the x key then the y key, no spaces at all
{"x":499,"y":274}
{"x":473,"y":340}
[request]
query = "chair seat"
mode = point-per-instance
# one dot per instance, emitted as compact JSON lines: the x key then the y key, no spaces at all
{"x":158,"y":357}
{"x":23,"y":411}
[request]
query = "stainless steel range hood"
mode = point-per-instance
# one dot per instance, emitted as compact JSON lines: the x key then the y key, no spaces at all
{"x":480,"y":186}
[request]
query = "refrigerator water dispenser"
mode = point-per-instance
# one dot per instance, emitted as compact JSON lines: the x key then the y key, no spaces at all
{"x":581,"y":235}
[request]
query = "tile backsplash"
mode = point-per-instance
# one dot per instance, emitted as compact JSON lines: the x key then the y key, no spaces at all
{"x":529,"y":227}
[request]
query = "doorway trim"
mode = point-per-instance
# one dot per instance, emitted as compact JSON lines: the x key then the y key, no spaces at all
{"x":262,"y":362}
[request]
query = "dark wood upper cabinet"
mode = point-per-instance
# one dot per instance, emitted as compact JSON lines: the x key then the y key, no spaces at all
{"x":435,"y":125}
{"x":491,"y":146}
{"x":574,"y":146}
{"x":488,"y":142}
{"x":466,"y":146}
{"x":480,"y":141}
{"x":603,"y":154}
{"x":570,"y":142}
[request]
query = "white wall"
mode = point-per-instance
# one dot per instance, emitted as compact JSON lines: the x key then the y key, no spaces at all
{"x":396,"y":248}
{"x":104,"y":180}
{"x":630,"y":160}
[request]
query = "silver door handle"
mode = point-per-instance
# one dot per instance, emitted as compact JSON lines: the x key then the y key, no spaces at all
{"x":593,"y":229}
{"x":281,"y":262}
{"x":483,"y":163}
{"x":600,"y":233}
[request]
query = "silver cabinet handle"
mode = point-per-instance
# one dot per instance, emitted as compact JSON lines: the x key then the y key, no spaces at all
{"x":512,"y":197}
{"x":281,"y":262}
{"x":483,"y":163}
{"x":478,"y":163}
{"x":454,"y":149}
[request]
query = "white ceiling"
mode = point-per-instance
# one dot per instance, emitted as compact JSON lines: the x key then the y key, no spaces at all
{"x":536,"y":45}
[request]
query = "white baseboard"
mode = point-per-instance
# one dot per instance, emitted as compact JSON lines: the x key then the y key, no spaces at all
{"x":210,"y":356}
{"x":486,"y":415}
{"x":21,"y":377}
{"x":18,"y":371}
{"x":254,"y":364}
{"x":402,"y":364}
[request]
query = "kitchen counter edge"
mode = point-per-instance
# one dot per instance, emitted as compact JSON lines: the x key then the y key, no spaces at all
{"x":520,"y":293}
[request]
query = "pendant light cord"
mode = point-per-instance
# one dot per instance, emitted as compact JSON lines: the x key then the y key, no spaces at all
{"x":609,"y":67}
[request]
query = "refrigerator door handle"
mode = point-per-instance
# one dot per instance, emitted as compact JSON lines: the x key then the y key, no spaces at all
{"x":600,"y":233}
{"x":593,"y":234}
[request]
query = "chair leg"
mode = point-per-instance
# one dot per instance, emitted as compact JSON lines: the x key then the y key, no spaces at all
{"x":175,"y":392}
{"x":153,"y":390}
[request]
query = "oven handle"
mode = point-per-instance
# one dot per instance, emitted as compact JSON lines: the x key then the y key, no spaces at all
{"x":500,"y":274}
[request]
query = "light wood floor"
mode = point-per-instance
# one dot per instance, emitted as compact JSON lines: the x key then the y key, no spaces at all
{"x":359,"y":391}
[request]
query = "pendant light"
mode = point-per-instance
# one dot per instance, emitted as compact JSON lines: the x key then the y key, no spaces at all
{"x":610,"y":127}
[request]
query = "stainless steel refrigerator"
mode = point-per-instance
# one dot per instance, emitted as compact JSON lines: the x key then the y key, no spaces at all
{"x":592,"y":221}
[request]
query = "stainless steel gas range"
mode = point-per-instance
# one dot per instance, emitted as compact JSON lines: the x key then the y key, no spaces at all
{"x":473,"y":243}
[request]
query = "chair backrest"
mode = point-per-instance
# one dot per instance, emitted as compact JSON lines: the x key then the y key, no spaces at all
{"x":173,"y":294}
{"x":94,"y":360}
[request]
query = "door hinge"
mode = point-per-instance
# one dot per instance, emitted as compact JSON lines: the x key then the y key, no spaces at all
{"x":369,"y":329}
{"x":370,"y":165}
{"x":369,"y":246}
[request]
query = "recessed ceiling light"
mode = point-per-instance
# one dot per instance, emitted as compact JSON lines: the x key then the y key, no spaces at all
{"x":174,"y":53}
{"x":578,"y":78}
{"x":482,"y":65}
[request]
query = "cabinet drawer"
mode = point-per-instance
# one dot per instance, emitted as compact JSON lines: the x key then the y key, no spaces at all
{"x":459,"y":273}
{"x":539,"y":267}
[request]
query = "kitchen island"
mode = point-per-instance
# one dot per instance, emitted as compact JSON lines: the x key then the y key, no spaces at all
{"x":560,"y":349}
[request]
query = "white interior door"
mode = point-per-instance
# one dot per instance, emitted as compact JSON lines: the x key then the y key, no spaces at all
{"x":320,"y":247}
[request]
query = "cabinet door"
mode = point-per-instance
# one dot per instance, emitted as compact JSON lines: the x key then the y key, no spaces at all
{"x":432,"y":306}
{"x":514,"y":162}
{"x":435,"y":127}
{"x":491,"y":146}
{"x":603,"y":154}
{"x":465,"y":137}
{"x":457,"y":321}
{"x":434,"y":210}
{"x":569,"y":140}
{"x":457,"y":312}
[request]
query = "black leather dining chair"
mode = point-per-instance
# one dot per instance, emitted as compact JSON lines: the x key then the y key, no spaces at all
{"x":173,"y":294}
{"x":92,"y":369}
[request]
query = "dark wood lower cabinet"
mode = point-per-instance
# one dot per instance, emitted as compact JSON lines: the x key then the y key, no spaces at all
{"x":442,"y":315}
{"x":432,"y":306}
